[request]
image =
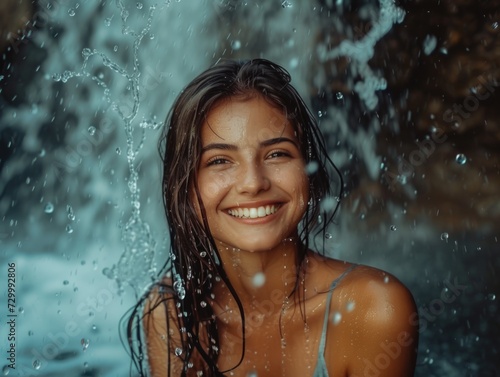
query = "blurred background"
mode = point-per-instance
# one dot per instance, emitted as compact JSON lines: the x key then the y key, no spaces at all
{"x":407,"y":97}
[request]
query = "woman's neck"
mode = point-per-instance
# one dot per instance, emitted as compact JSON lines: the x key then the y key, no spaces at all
{"x":258,"y":277}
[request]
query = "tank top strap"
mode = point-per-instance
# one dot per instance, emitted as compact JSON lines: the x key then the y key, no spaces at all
{"x":334,"y":284}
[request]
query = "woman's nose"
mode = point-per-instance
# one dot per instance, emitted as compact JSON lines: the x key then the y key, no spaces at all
{"x":252,"y":179}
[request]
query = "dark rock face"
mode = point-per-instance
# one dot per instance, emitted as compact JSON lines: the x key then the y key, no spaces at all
{"x":441,"y":162}
{"x":14,"y":18}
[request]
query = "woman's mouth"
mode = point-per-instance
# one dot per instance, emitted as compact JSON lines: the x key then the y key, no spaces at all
{"x":254,"y":213}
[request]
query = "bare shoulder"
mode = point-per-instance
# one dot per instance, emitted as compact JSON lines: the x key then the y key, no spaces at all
{"x":384,"y":321}
{"x":373,"y":290}
{"x":380,"y":294}
{"x":378,"y":329}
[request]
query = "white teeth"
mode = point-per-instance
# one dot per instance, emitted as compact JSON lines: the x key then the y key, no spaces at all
{"x":253,"y":213}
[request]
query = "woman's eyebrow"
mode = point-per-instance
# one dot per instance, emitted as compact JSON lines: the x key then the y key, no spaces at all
{"x":231,"y":147}
{"x":278,"y":140}
{"x":223,"y":146}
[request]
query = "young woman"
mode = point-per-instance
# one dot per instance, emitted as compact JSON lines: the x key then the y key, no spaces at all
{"x":247,"y":189}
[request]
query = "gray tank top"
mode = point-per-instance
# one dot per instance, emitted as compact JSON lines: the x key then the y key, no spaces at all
{"x":321,"y":370}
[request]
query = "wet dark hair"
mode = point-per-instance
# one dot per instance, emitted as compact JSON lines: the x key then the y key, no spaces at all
{"x":194,"y":264}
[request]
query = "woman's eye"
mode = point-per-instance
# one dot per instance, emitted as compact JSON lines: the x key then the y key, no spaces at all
{"x":277,"y":154}
{"x":217,"y":161}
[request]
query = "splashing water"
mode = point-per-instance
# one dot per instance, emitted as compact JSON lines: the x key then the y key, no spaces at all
{"x":136,"y":263}
{"x":360,"y":52}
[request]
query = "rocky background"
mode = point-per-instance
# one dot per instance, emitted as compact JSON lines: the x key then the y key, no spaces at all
{"x":15,"y":16}
{"x":453,"y":90}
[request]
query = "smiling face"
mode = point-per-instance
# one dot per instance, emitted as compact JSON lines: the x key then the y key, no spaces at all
{"x":251,"y":176}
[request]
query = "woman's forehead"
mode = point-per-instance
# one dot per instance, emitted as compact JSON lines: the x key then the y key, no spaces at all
{"x":235,"y":119}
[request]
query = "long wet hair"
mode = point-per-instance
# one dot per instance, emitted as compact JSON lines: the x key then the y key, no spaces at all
{"x":194,"y":262}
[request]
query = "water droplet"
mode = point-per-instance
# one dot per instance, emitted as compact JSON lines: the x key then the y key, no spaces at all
{"x":386,"y":279}
{"x":37,"y":364}
{"x":393,"y":228}
{"x":118,"y":151}
{"x":69,"y":229}
{"x":286,"y":4}
{"x":5,"y":370}
{"x":236,"y":45}
{"x":94,"y":328}
{"x":92,"y":130}
{"x":429,"y":44}
{"x":65,"y":282}
{"x":85,"y":343}
{"x":350,"y":306}
{"x":203,"y":304}
{"x":147,"y":123}
{"x":494,"y":25}
{"x":139,"y":5}
{"x":328,"y":236}
{"x":336,"y":318}
{"x":258,"y":279}
{"x":49,"y":208}
{"x":312,"y":167}
{"x":71,"y":12}
{"x":71,"y":215}
{"x":329,"y":203}
{"x":115,"y":48}
{"x":492,"y":297}
{"x":461,"y":159}
{"x":106,"y":271}
{"x":339,"y":95}
{"x":178,"y":351}
{"x":203,"y":254}
{"x":107,"y":21}
{"x":30,"y":333}
{"x":86,"y":52}
{"x":132,"y":186}
{"x":445,"y":236}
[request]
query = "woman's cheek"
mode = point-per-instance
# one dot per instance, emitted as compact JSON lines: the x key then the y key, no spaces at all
{"x":215,"y":184}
